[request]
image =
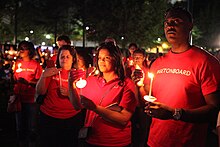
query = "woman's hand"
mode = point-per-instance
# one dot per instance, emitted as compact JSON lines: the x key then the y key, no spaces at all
{"x":64,"y":91}
{"x":87,"y":103}
{"x":75,"y":74}
{"x":48,"y":72}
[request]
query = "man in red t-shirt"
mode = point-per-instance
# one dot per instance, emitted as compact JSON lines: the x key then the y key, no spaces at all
{"x":186,"y":84}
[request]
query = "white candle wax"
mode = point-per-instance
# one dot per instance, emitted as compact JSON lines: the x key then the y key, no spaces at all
{"x":60,"y":79}
{"x":151,"y":76}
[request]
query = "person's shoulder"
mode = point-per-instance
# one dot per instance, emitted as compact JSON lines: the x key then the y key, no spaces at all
{"x":92,"y":78}
{"x":128,"y":81}
{"x":203,"y":54}
{"x":34,"y":62}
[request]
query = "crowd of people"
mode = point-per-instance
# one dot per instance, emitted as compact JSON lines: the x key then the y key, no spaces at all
{"x":71,"y":99}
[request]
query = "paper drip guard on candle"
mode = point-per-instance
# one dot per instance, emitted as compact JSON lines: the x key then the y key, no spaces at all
{"x":81,"y":83}
{"x":150,"y":98}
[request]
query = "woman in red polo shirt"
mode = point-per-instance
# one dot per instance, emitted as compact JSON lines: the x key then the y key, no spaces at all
{"x":109,"y":99}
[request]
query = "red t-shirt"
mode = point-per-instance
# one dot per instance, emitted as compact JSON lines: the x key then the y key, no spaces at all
{"x":55,"y":104}
{"x":180,"y":81}
{"x":105,"y":133}
{"x":30,"y":71}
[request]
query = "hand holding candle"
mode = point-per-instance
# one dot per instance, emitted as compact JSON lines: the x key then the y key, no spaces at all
{"x":81,"y":83}
{"x":75,"y":80}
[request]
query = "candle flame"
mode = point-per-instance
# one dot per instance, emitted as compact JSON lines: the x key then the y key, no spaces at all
{"x":19,"y":65}
{"x":137,"y":67}
{"x":150,"y":75}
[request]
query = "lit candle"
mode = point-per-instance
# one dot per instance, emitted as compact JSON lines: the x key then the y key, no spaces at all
{"x":60,"y":79}
{"x":81,"y":84}
{"x":131,"y":62}
{"x":151,"y":76}
{"x":19,"y":68}
{"x":148,"y":97}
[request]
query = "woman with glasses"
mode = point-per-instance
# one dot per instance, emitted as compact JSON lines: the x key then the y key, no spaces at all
{"x":109,"y":99}
{"x":27,"y":71}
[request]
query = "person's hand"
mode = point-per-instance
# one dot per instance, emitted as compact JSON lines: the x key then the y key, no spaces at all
{"x":75,"y":74}
{"x":137,"y":75}
{"x":87,"y":103}
{"x":64,"y":91}
{"x":23,"y":81}
{"x":159,"y":110}
{"x":12,"y":99}
{"x":48,"y":72}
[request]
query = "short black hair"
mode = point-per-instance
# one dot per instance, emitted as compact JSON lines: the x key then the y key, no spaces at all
{"x":141,"y":51}
{"x":133,"y":44}
{"x":65,"y":38}
{"x":179,"y":10}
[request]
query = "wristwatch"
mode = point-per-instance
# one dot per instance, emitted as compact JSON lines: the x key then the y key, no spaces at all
{"x":177,"y":114}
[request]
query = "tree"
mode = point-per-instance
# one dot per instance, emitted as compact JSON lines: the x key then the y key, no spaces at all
{"x":137,"y":21}
{"x":208,"y":21}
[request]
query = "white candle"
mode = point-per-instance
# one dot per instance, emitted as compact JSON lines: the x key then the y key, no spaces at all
{"x":151,"y":76}
{"x":60,"y":79}
{"x":19,"y":68}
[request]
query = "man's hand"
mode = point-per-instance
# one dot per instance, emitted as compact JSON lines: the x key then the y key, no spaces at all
{"x":159,"y":110}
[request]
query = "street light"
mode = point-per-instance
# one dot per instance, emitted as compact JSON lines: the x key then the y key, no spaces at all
{"x":26,"y":39}
{"x":48,"y":36}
